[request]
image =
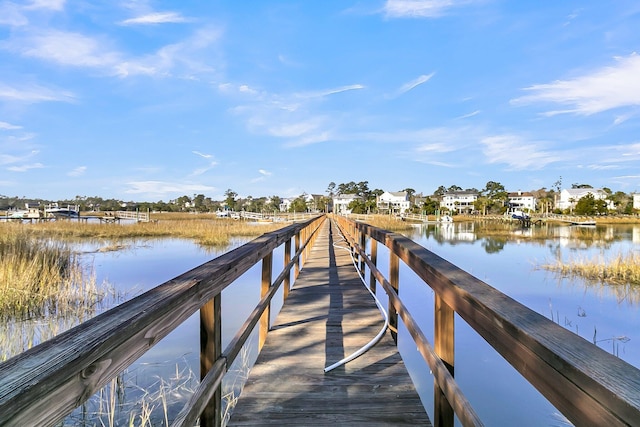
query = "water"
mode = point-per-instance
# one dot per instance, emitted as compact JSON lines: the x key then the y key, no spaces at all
{"x":508,"y":260}
{"x":510,"y":263}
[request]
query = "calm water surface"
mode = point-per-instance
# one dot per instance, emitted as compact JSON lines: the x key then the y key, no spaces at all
{"x":509,"y":261}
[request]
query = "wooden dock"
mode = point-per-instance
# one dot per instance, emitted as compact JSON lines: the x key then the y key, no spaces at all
{"x":328,"y":315}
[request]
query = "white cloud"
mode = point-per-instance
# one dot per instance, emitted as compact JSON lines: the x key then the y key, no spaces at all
{"x":414,"y":83}
{"x":206,"y":156}
{"x":421,"y":8}
{"x":25,"y":168}
{"x":517,"y":153}
{"x":604,"y":89}
{"x":56,"y":5}
{"x":11,"y":14}
{"x":264,"y":172}
{"x":156,"y":18}
{"x":34,"y":93}
{"x":8,"y":126}
{"x":65,"y":48}
{"x":163,"y":189}
{"x":79,"y":171}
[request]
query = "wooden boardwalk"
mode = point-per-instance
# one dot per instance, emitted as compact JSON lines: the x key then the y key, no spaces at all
{"x":327,"y":316}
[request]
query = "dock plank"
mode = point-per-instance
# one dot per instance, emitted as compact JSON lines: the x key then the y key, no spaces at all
{"x":328,"y":315}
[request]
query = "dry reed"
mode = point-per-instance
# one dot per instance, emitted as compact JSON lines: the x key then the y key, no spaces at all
{"x":623,"y":269}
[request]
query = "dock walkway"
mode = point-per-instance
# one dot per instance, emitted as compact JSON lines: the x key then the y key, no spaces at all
{"x":328,"y":315}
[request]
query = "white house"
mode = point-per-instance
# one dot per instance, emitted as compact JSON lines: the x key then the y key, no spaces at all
{"x":569,"y":197}
{"x":313,"y":202}
{"x":285,"y":204}
{"x":341,"y":203}
{"x":393,"y":201}
{"x":459,"y":201}
{"x":522,"y":201}
{"x":636,"y":201}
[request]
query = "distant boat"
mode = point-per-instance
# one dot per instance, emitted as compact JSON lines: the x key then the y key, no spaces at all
{"x":446,"y":218}
{"x":57,"y":212}
{"x":520,"y":215}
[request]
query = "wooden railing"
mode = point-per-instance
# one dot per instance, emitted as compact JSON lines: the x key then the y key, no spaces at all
{"x":588,"y":385}
{"x":135,"y":215}
{"x":44,"y":384}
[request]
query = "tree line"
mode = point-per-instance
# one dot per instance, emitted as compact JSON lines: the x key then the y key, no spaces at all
{"x":492,"y":199}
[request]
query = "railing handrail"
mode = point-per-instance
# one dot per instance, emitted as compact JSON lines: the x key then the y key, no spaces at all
{"x":44,"y":384}
{"x":588,"y":385}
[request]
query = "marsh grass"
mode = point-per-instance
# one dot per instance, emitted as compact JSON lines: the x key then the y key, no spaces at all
{"x":206,"y":230}
{"x":389,"y":223}
{"x":40,"y":277}
{"x":623,"y":269}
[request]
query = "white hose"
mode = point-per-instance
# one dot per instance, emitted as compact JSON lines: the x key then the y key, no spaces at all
{"x":380,"y":307}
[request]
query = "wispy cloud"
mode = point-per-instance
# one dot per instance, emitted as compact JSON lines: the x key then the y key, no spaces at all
{"x":25,"y":168}
{"x":517,"y":153}
{"x":11,"y":14}
{"x":422,"y":8}
{"x":604,"y":89}
{"x":164,"y":189}
{"x":8,"y":126}
{"x":79,"y":171}
{"x":56,"y":5}
{"x":264,"y":174}
{"x":64,"y":48}
{"x":206,"y":156}
{"x":413,"y":84}
{"x":156,"y":18}
{"x":34,"y":93}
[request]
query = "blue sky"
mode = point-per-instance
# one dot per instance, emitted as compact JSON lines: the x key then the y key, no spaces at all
{"x":151,"y":100}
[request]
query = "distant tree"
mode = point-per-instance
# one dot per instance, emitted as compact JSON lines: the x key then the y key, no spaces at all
{"x":588,"y":205}
{"x":557,"y":186}
{"x":454,"y":188}
{"x":330,"y":188}
{"x":581,"y":186}
{"x":440,"y":191}
{"x":274,"y":203}
{"x":298,"y":205}
{"x":430,"y":206}
{"x":358,"y":206}
{"x":230,"y":200}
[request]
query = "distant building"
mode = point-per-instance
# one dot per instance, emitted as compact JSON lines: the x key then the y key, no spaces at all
{"x":569,"y":197}
{"x":522,"y":201}
{"x":636,"y":201}
{"x":341,"y":203}
{"x":285,"y":204}
{"x":459,"y":201}
{"x":396,"y":202}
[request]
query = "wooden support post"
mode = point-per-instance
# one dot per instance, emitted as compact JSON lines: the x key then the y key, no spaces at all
{"x":363,"y":245}
{"x":444,"y":348}
{"x":287,"y":260}
{"x":374,"y":260}
{"x":210,"y":350}
{"x":264,"y":288}
{"x":394,"y":279}
{"x":297,"y":266}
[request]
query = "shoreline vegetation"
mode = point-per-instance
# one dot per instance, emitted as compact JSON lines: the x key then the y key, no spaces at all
{"x":623,"y":269}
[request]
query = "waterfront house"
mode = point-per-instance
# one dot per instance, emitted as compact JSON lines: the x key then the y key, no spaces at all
{"x":395,"y":202}
{"x":459,"y":201}
{"x":341,"y":203}
{"x":522,"y":201}
{"x":569,"y":197}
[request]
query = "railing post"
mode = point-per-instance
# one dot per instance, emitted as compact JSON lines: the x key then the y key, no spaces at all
{"x":374,"y":260}
{"x":394,"y":279}
{"x":264,"y":289}
{"x":444,"y":348}
{"x":296,"y":269}
{"x":210,"y":350}
{"x":287,"y":260}
{"x":363,"y":245}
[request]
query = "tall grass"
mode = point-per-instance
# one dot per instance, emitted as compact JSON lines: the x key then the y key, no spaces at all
{"x":623,"y":269}
{"x":40,"y":277}
{"x":206,"y":231}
